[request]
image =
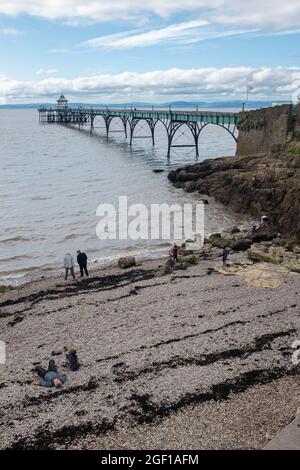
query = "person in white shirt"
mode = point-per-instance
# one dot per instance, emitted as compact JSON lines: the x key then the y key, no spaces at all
{"x":69,"y":265}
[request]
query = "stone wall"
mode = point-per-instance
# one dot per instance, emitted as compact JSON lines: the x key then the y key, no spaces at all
{"x":266,"y":130}
{"x":297,"y":120}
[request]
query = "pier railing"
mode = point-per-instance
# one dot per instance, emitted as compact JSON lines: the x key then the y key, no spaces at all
{"x":172,"y":120}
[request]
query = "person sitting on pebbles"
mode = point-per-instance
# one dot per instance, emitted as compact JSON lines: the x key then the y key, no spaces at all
{"x":50,"y":377}
{"x":72,"y":358}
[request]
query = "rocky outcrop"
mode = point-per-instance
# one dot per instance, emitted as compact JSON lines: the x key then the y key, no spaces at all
{"x":255,"y":184}
{"x":239,"y":240}
{"x":275,"y":254}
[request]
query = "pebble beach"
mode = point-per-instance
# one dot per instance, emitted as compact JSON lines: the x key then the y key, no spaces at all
{"x":197,"y":359}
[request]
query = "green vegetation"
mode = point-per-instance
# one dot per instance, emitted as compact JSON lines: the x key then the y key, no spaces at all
{"x":293,"y":166}
{"x":295,"y":150}
{"x":297,"y":135}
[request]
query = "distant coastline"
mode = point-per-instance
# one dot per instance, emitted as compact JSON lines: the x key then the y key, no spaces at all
{"x":174,"y":104}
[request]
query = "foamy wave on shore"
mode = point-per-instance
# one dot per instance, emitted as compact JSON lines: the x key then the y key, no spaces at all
{"x":20,"y":277}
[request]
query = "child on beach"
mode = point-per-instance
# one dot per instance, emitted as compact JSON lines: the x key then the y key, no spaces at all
{"x":174,"y":252}
{"x":72,"y":358}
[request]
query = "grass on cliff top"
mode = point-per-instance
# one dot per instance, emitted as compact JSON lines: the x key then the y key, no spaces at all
{"x":293,"y":166}
{"x":294,"y":150}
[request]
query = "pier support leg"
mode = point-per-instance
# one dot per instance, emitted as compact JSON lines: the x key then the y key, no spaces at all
{"x":169,"y":146}
{"x":151,"y":124}
{"x":107,"y":120}
{"x":171,"y":130}
{"x":193,"y":126}
{"x":92,"y":123}
{"x":132,"y":124}
{"x":124,"y":120}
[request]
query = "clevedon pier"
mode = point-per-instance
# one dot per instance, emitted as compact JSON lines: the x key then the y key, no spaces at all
{"x":255,"y":131}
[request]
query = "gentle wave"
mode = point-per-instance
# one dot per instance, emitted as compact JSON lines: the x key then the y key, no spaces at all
{"x":40,"y":198}
{"x":15,"y":239}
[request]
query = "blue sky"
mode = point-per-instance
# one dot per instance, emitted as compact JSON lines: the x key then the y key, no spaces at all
{"x":104,"y":51}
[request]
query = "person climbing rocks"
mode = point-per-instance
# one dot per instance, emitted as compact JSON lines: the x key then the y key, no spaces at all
{"x":50,"y":377}
{"x":253,"y":225}
{"x":72,"y":358}
{"x":82,"y":261}
{"x":264,"y":222}
{"x":174,"y":252}
{"x":69,"y":265}
{"x":225,"y":254}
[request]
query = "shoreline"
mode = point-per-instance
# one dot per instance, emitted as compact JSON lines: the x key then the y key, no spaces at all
{"x":56,"y":272}
{"x":198,"y":347}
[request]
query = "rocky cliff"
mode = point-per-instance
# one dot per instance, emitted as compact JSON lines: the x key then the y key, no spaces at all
{"x":254,"y":184}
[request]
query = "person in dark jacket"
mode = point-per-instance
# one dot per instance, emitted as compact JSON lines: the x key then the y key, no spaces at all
{"x":225,"y":254}
{"x":82,"y":261}
{"x":50,"y":377}
{"x":72,"y":358}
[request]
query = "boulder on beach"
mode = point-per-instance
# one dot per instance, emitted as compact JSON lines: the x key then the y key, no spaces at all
{"x":185,"y":252}
{"x":189,"y":186}
{"x":170,"y":262}
{"x":214,"y":236}
{"x":164,"y":271}
{"x":242,"y":244}
{"x":181,"y":266}
{"x":190,"y":259}
{"x":232,"y":230}
{"x":127,"y":262}
{"x":263,"y":236}
{"x":217,"y":240}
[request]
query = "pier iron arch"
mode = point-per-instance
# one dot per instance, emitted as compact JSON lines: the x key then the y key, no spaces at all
{"x":172,"y":121}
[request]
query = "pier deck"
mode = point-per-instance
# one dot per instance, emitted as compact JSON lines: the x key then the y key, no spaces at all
{"x":172,"y":120}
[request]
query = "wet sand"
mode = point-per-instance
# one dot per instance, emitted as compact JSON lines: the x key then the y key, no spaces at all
{"x":190,"y":360}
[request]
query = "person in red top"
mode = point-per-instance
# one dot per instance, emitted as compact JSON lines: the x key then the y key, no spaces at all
{"x":174,"y":252}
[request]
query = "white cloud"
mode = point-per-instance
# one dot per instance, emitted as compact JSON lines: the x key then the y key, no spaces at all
{"x":131,"y":39}
{"x":241,"y":13}
{"x":47,"y":71}
{"x":183,"y":33}
{"x":160,"y":85}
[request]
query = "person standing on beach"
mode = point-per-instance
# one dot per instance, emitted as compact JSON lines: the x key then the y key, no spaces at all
{"x":225,"y":254}
{"x":69,"y":265}
{"x":82,"y":261}
{"x":174,"y":252}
